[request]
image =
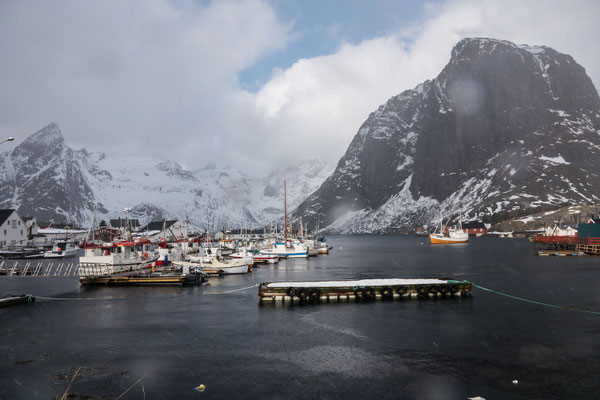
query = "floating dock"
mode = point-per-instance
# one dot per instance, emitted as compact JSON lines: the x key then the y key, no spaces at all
{"x":364,"y":289}
{"x":560,"y":253}
{"x":148,"y":280}
{"x":16,"y":300}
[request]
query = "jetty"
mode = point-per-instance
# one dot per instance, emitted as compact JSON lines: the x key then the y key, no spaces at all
{"x":363,"y":290}
{"x":99,"y":275}
{"x":12,"y":300}
{"x":567,"y":244}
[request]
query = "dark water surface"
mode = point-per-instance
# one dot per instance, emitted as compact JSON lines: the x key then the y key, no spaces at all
{"x":179,"y":338}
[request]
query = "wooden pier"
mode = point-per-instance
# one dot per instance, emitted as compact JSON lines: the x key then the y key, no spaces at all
{"x":174,"y":280}
{"x":566,"y":245}
{"x":99,"y":274}
{"x":560,"y":253}
{"x":364,"y":290}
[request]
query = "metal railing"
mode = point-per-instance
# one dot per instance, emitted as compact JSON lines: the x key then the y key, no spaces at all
{"x":51,"y":269}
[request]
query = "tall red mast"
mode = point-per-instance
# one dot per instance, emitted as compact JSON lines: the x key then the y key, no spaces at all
{"x":284,"y":212}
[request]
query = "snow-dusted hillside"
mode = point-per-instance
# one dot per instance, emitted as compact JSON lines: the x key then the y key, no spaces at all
{"x":152,"y":186}
{"x":503,"y":128}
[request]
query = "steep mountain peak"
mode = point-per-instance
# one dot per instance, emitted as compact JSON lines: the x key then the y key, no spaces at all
{"x":48,"y":135}
{"x":503,"y":127}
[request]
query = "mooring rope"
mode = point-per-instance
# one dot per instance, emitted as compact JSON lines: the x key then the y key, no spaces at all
{"x":234,"y":290}
{"x":540,"y":303}
{"x":54,"y":298}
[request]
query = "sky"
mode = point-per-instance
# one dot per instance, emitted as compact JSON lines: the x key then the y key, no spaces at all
{"x":253,"y":84}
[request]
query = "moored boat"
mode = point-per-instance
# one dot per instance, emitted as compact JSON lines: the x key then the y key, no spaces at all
{"x":448,"y":235}
{"x":64,"y":249}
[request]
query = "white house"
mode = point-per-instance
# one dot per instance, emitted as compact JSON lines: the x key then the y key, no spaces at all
{"x":13,"y":231}
{"x":168,"y":229}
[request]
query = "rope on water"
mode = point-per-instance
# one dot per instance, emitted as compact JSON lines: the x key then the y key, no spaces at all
{"x":136,"y":297}
{"x":535,"y":302}
{"x":234,"y":290}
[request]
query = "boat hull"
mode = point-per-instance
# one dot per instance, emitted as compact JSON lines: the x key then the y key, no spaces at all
{"x":438,"y":239}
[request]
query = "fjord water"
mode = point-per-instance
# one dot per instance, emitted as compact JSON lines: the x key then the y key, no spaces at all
{"x":179,"y":338}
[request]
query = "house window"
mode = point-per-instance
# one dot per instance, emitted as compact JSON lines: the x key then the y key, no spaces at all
{"x":21,"y":231}
{"x":14,"y":223}
{"x":19,"y":223}
{"x":5,"y":231}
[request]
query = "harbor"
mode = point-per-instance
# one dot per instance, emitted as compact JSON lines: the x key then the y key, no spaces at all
{"x":458,"y":345}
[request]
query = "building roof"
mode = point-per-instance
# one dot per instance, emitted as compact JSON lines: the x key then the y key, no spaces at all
{"x":4,"y":214}
{"x":121,"y":223}
{"x":473,"y":225}
{"x":158,"y":225}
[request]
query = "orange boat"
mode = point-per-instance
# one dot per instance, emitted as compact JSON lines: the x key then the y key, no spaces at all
{"x":449,"y":236}
{"x":438,"y":238}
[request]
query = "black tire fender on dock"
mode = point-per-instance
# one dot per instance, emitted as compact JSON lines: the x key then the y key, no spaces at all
{"x":369,"y":293}
{"x":359,"y":293}
{"x":401,"y":290}
{"x":444,"y":290}
{"x":290,"y":291}
{"x":454,"y":289}
{"x":433,"y":289}
{"x":386,"y":291}
{"x":422,"y":290}
{"x":301,"y":293}
{"x":314,"y":294}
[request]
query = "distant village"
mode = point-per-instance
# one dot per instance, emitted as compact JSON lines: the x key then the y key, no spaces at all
{"x":18,"y":231}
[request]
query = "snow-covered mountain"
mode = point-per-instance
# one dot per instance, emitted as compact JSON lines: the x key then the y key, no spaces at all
{"x":44,"y":177}
{"x":503,"y":128}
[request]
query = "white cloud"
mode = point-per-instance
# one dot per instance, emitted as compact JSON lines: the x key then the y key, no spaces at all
{"x":317,"y":105}
{"x":131,"y":74}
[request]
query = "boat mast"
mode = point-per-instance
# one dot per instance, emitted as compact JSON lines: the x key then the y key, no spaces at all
{"x":284,"y":211}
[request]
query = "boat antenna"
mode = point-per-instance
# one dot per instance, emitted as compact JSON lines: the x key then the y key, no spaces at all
{"x":92,"y":222}
{"x":129,"y":236}
{"x":284,"y":211}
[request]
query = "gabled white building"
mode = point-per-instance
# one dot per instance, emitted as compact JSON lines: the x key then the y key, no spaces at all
{"x":168,"y":229}
{"x":13,"y":231}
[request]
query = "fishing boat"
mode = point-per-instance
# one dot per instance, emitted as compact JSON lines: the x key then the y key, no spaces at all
{"x":288,"y":248}
{"x":449,"y":235}
{"x":115,"y":258}
{"x":62,"y":250}
{"x":266,"y":258}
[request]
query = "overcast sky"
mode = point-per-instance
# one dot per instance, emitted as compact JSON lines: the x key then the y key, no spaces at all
{"x":253,"y":84}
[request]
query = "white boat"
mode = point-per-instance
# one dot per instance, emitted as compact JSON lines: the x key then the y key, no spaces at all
{"x":116,"y":258}
{"x":63,"y":249}
{"x":290,"y":248}
{"x":266,"y":258}
{"x":212,"y":261}
{"x":449,"y":235}
{"x":227,"y":268}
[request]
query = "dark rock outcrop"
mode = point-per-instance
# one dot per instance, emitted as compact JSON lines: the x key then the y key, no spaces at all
{"x":503,"y":127}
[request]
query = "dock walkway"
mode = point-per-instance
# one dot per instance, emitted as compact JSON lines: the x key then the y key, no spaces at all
{"x":364,"y":289}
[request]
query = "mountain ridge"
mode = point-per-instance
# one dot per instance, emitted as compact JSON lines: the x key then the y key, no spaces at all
{"x":475,"y":139}
{"x":54,"y":182}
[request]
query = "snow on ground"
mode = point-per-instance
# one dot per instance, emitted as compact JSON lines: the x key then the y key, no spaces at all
{"x":555,"y":160}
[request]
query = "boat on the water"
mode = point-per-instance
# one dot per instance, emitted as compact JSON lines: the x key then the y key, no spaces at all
{"x":64,"y":249}
{"x":289,"y":248}
{"x":116,"y":258}
{"x":448,"y":235}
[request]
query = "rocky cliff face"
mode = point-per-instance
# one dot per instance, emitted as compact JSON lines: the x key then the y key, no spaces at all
{"x":502,"y":128}
{"x":41,"y":177}
{"x":44,"y":177}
